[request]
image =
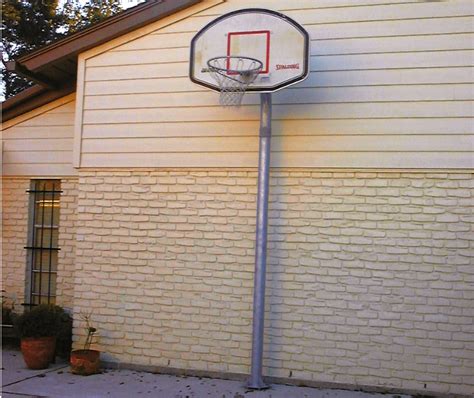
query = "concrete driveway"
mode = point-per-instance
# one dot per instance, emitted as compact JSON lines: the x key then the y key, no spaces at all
{"x":57,"y":382}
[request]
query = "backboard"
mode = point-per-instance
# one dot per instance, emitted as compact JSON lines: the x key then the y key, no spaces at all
{"x":277,"y":41}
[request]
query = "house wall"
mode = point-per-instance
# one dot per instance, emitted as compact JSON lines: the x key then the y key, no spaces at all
{"x":40,"y":142}
{"x":370,"y":278}
{"x":15,"y":211}
{"x":390,"y":87}
{"x":370,"y":271}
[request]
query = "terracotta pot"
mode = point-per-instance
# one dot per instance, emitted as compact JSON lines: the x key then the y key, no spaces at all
{"x":85,"y":362}
{"x":38,"y":352}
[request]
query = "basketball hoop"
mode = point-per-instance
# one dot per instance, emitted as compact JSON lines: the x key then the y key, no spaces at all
{"x":233,"y":75}
{"x":259,"y":51}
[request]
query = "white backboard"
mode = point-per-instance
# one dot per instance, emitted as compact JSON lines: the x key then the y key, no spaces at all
{"x":279,"y":42}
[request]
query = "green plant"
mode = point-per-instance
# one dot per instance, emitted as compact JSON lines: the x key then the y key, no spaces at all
{"x":90,"y":330}
{"x":41,"y":321}
{"x":8,"y":310}
{"x":6,"y":315}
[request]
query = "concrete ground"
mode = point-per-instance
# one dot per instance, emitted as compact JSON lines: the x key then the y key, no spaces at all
{"x":57,"y":382}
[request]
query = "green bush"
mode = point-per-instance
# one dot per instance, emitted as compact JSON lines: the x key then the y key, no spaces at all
{"x":41,"y":321}
{"x":7,"y":316}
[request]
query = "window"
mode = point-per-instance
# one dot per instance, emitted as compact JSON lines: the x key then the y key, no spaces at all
{"x":43,"y":241}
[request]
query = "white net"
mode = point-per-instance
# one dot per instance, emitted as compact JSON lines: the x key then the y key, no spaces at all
{"x":233,"y":75}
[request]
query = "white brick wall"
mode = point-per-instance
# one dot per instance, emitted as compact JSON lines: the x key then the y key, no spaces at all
{"x":15,"y":219}
{"x":14,"y":235}
{"x":370,"y":275}
{"x":67,"y":243}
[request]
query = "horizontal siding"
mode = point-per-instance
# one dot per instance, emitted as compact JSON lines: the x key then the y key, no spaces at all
{"x":322,"y":143}
{"x":428,"y":109}
{"x":359,"y":78}
{"x":351,"y":32}
{"x":391,"y":86}
{"x":290,"y":5}
{"x":41,"y":144}
{"x":39,"y":170}
{"x":34,"y":157}
{"x":426,"y":59}
{"x":349,"y":127}
{"x":397,"y":160}
{"x":290,"y":96}
{"x":338,"y":15}
{"x":318,"y":48}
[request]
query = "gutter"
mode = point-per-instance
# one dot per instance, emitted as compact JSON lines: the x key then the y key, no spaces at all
{"x":19,"y":69}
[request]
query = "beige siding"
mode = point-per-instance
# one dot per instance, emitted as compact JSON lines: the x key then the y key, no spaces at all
{"x":391,"y":86}
{"x":40,"y":142}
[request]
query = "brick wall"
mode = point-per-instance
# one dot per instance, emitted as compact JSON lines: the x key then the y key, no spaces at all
{"x":67,"y":243}
{"x":14,"y":235}
{"x":370,"y":277}
{"x":15,"y":208}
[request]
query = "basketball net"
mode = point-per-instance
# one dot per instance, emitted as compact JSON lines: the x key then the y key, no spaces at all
{"x":233,"y":75}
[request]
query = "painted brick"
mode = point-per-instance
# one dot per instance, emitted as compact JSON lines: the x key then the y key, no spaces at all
{"x":369,"y":278}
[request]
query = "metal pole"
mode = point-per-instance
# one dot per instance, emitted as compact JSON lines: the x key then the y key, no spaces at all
{"x":256,"y":381}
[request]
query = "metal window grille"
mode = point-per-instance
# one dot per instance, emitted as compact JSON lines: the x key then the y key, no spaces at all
{"x":43,"y":241}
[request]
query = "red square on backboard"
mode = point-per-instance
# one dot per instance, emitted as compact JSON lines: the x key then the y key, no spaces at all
{"x":254,"y":44}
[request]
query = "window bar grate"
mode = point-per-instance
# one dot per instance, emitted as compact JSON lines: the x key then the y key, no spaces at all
{"x":36,"y":294}
{"x":41,"y":191}
{"x":53,"y":272}
{"x":50,"y":245}
{"x":33,"y":243}
{"x":45,"y":194}
{"x":41,"y":248}
{"x":38,"y":248}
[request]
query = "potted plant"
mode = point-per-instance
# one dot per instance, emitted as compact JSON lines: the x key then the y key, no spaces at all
{"x":37,"y":329}
{"x":86,"y":362}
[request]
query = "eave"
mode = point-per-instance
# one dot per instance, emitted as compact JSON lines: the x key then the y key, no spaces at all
{"x":54,"y":67}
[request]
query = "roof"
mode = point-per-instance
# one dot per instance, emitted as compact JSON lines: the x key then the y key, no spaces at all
{"x":54,"y":67}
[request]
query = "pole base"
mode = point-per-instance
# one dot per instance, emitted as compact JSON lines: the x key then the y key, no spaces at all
{"x":257,"y":384}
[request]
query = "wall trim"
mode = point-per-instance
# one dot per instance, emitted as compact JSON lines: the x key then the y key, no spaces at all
{"x":276,"y":169}
{"x":78,"y":115}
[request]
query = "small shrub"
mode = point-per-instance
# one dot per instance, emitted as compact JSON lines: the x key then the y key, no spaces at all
{"x":8,"y":309}
{"x":91,"y":330}
{"x":7,"y":318}
{"x":42,"y":321}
